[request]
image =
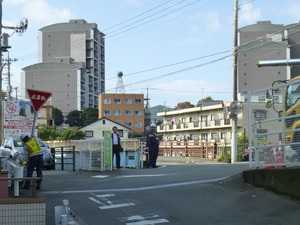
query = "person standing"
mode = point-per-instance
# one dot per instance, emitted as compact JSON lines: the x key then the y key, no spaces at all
{"x":116,"y":146}
{"x":152,"y":143}
{"x":34,"y":156}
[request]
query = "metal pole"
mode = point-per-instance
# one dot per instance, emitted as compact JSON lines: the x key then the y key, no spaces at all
{"x":279,"y":62}
{"x":234,"y":91}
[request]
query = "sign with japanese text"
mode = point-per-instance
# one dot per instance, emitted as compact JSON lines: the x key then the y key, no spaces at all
{"x":107,"y":149}
{"x":18,"y":118}
{"x":38,"y":98}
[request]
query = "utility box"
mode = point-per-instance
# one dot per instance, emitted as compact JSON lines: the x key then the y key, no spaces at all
{"x":131,"y":159}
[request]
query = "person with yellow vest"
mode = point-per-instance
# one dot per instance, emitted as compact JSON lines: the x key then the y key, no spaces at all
{"x":34,"y":157}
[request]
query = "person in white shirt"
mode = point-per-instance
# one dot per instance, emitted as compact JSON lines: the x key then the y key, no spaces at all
{"x":116,"y":146}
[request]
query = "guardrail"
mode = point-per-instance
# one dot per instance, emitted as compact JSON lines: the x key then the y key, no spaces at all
{"x":189,"y":149}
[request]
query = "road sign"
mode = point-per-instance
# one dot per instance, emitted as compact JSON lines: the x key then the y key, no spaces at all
{"x":38,"y":98}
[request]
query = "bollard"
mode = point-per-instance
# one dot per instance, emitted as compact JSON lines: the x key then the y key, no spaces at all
{"x":59,"y":210}
{"x":18,"y":173}
{"x":64,"y":219}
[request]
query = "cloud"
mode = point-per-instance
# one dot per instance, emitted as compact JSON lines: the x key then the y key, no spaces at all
{"x":248,"y":14}
{"x":293,"y":10}
{"x":40,"y":12}
{"x":212,"y":21}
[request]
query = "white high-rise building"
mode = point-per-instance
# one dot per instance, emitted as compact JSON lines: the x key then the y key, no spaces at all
{"x":71,"y":65}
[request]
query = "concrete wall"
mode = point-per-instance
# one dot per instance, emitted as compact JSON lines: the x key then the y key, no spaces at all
{"x":283,"y":180}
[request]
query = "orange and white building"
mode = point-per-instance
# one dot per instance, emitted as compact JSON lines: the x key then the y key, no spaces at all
{"x":125,"y":109}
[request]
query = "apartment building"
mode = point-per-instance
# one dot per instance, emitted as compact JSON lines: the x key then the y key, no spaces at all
{"x":71,"y":65}
{"x":266,"y":41}
{"x":209,"y":124}
{"x":203,"y":124}
{"x":125,"y":109}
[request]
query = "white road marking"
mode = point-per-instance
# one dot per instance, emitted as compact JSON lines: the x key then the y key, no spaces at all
{"x":137,"y":189}
{"x":95,"y":200}
{"x":151,"y":175}
{"x":143,"y":220}
{"x":105,"y":196}
{"x":149,"y":222}
{"x":100,"y":176}
{"x":116,"y":205}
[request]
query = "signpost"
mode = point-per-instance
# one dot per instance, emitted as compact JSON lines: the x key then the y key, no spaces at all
{"x":107,"y":150}
{"x":38,"y":99}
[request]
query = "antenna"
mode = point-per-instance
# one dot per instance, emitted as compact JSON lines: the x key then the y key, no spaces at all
{"x":120,"y":86}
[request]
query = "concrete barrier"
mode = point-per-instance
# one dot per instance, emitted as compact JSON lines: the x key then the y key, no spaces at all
{"x":283,"y":180}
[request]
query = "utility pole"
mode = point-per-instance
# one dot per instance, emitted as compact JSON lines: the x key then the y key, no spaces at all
{"x":8,"y":61}
{"x":21,"y":28}
{"x":234,"y":91}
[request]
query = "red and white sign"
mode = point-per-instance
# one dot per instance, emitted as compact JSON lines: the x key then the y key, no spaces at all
{"x":18,"y":118}
{"x":38,"y":98}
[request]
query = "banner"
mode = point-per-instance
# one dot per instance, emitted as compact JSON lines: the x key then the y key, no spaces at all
{"x":107,"y":149}
{"x":18,"y":118}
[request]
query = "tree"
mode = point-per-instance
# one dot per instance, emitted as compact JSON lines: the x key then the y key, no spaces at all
{"x":184,"y":105}
{"x":208,"y":98}
{"x":57,"y":116}
{"x":72,"y":134}
{"x":47,"y":133}
{"x":74,"y":119}
{"x":90,"y":115}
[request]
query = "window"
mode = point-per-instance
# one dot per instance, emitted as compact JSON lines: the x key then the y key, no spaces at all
{"x":138,"y":125}
{"x":107,"y":101}
{"x":107,"y":113}
{"x":128,"y":113}
{"x":223,"y":135}
{"x":117,"y":101}
{"x":215,"y":136}
{"x":203,"y":118}
{"x":128,"y":101}
{"x":117,"y":113}
{"x":89,"y":133}
{"x":260,"y":114}
{"x":103,"y":122}
{"x":204,"y":137}
{"x":128,"y":124}
{"x":138,"y":113}
{"x":138,"y":101}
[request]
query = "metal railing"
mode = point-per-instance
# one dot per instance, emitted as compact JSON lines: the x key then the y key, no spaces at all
{"x":188,"y":149}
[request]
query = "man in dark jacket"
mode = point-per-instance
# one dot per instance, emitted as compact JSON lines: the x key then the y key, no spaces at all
{"x":152,"y":142}
{"x":116,"y":146}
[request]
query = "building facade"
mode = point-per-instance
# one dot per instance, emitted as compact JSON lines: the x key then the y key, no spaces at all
{"x":96,"y":129}
{"x":199,"y":124}
{"x":125,"y":109}
{"x":210,"y":124}
{"x":265,"y":41}
{"x":71,"y":65}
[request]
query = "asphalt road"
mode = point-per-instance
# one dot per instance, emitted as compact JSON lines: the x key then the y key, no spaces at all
{"x":177,"y":194}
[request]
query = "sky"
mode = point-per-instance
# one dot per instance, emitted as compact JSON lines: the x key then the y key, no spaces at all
{"x":170,"y":50}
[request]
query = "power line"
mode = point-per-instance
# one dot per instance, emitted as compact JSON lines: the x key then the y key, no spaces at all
{"x":174,"y":64}
{"x":150,"y":20}
{"x":141,"y":14}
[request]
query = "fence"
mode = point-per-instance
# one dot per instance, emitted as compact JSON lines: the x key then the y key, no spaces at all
{"x":88,"y":154}
{"x":274,"y":126}
{"x":189,"y":149}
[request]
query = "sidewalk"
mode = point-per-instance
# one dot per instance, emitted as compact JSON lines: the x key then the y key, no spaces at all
{"x":186,"y":160}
